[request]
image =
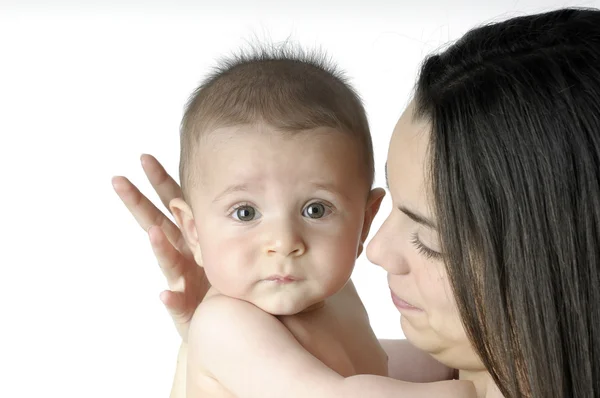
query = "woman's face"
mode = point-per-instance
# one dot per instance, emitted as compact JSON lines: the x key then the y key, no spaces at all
{"x":407,"y":246}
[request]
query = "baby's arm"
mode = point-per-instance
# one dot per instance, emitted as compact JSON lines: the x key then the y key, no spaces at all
{"x":253,"y":355}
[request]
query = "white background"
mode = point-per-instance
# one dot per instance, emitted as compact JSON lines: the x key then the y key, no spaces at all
{"x":84,"y":90}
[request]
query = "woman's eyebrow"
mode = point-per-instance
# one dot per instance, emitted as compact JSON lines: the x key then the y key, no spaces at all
{"x":418,"y":218}
{"x":387,"y":184}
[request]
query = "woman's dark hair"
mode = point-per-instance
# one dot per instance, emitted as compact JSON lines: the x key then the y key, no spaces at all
{"x":515,"y":175}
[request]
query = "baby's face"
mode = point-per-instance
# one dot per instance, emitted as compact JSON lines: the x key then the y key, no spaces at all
{"x":279,"y":216}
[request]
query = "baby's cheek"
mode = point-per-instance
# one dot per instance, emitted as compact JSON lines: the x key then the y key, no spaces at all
{"x":235,"y":260}
{"x":215,"y":260}
{"x":213,"y":269}
{"x":336,"y":262}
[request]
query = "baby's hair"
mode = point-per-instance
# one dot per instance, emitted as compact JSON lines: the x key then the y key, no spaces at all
{"x":282,"y":86}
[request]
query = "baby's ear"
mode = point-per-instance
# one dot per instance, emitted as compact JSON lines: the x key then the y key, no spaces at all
{"x":185,"y":220}
{"x":373,"y":203}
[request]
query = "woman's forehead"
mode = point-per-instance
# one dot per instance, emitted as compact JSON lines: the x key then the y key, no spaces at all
{"x":407,"y":163}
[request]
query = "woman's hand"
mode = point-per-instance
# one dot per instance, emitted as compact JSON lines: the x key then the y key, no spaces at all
{"x":186,"y":280}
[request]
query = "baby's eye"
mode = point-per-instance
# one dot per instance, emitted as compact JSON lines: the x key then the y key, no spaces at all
{"x":245,"y":213}
{"x":316,"y":210}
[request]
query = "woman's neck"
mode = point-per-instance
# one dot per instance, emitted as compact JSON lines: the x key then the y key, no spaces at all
{"x":484,"y":384}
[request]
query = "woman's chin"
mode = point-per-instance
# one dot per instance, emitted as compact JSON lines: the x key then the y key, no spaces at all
{"x":456,"y":355}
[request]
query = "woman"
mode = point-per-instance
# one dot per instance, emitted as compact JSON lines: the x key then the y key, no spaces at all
{"x":493,"y":245}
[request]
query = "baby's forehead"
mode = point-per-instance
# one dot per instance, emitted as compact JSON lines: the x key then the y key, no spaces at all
{"x":255,"y":155}
{"x":260,"y":140}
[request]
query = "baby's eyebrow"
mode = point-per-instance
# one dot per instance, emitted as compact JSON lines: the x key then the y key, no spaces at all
{"x":232,"y":189}
{"x":245,"y":187}
{"x":330,"y":187}
{"x":325,"y":186}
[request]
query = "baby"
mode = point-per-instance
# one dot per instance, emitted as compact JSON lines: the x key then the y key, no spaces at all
{"x":276,"y":170}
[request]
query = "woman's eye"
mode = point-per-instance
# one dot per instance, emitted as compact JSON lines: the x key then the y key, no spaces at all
{"x":316,"y":210}
{"x":424,"y":250}
{"x":245,"y":213}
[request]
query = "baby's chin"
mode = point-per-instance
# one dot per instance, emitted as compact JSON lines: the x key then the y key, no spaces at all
{"x":287,"y":307}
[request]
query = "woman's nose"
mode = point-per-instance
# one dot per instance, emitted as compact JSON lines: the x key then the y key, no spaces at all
{"x":385,"y":250}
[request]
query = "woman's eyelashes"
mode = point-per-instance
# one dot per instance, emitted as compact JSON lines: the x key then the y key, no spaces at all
{"x":246,"y":212}
{"x":424,"y":250}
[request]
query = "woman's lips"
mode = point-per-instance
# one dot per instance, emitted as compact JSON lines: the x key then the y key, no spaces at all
{"x":403,"y":305}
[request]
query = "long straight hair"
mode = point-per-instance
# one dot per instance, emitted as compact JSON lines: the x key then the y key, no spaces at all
{"x":515,"y":175}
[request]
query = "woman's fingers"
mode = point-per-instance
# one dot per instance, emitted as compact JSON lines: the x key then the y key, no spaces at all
{"x":167,"y":189}
{"x":146,"y":214}
{"x":164,"y":185}
{"x":174,"y":302}
{"x":172,"y":263}
{"x":177,"y":305}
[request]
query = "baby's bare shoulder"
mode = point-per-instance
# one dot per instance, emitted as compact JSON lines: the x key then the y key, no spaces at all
{"x":218,"y":310}
{"x":225,"y":329}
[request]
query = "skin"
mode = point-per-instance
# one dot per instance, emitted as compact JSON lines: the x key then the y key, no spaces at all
{"x":268,"y":209}
{"x":280,"y":365}
{"x":407,"y":246}
{"x":409,"y":250}
{"x":431,"y":324}
{"x":304,"y":217}
{"x":188,"y":284}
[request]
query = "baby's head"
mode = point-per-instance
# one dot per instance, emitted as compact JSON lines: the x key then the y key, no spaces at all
{"x":276,"y":170}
